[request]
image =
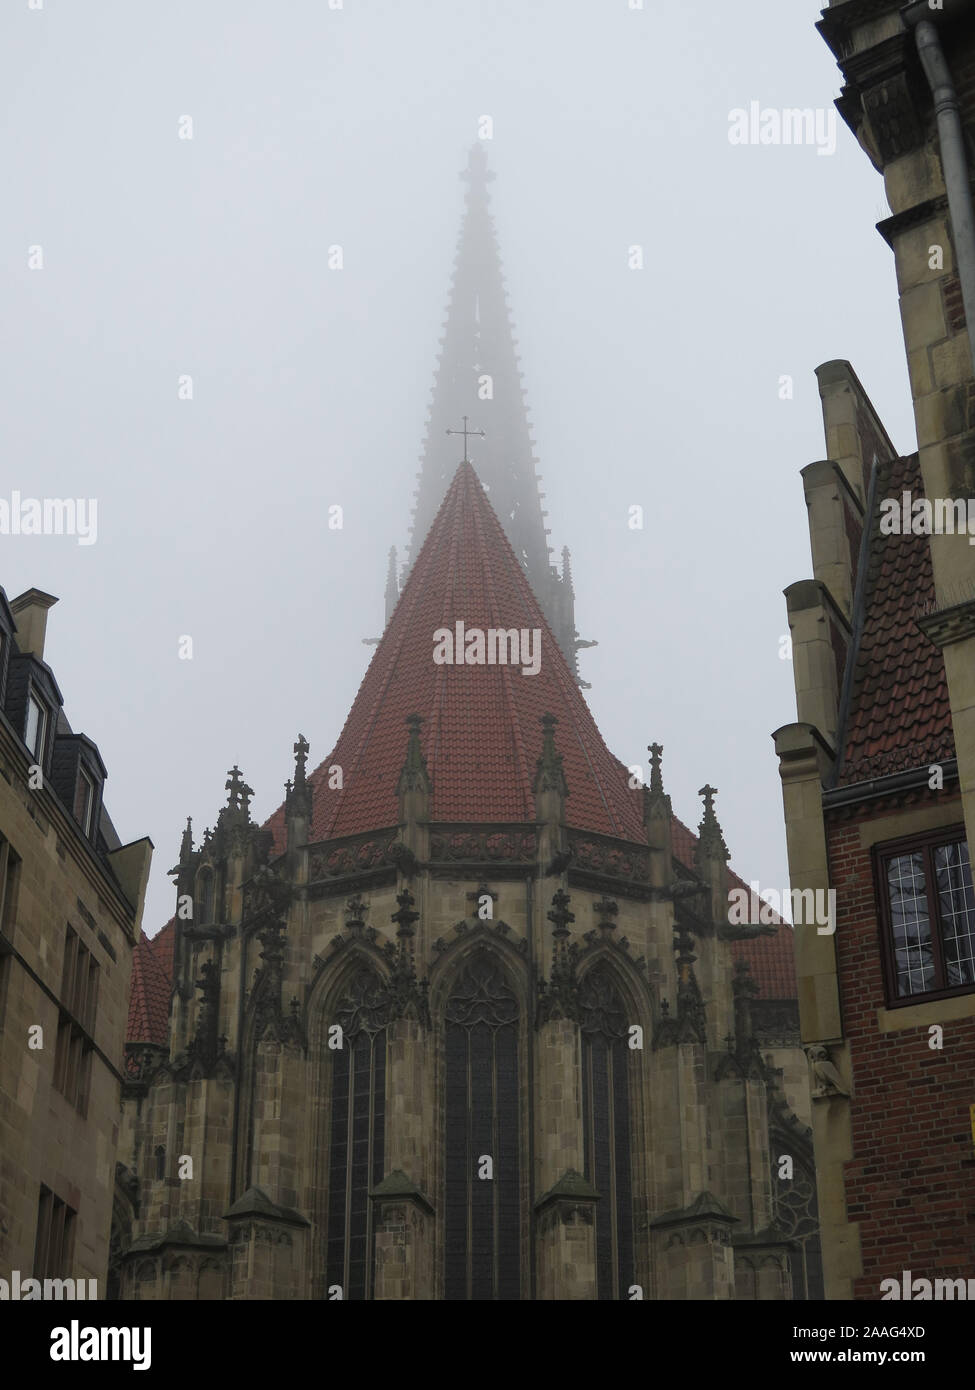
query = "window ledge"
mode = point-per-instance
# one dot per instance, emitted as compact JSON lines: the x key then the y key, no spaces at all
{"x":923,"y":1015}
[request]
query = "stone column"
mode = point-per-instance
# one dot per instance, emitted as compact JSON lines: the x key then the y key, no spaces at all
{"x":404,"y":1240}
{"x":267,"y":1245}
{"x":565,"y":1233}
{"x":403,"y":1216}
{"x":693,"y":1255}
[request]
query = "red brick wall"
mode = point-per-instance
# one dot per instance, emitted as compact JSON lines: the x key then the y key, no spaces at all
{"x":911,"y":1182}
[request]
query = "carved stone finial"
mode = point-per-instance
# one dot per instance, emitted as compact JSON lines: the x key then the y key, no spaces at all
{"x":233,"y":786}
{"x":656,"y":778}
{"x":298,"y":799}
{"x":559,"y":996}
{"x":186,"y":843}
{"x":549,"y":773}
{"x":560,"y":916}
{"x":656,"y":802}
{"x":690,"y":1023}
{"x":567,"y":569}
{"x":405,"y":917}
{"x":407,"y":995}
{"x":301,"y":757}
{"x":711,"y":843}
{"x":414,"y":776}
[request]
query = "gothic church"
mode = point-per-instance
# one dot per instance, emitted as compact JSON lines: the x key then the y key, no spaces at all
{"x":466,"y":1018}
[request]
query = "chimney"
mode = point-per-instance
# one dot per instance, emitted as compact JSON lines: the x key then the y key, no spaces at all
{"x":30,"y":614}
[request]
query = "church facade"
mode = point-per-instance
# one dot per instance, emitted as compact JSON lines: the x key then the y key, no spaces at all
{"x":468,"y":1018}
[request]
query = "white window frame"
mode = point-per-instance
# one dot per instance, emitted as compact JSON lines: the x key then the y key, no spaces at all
{"x":85,"y":820}
{"x":37,"y":748}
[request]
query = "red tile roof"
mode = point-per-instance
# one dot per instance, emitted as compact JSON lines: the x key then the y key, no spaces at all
{"x":899,"y":716}
{"x":151,"y":987}
{"x":481,"y":735}
{"x":163,"y":945}
{"x":771,"y":958}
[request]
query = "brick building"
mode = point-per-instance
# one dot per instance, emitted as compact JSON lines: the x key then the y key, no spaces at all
{"x":467,"y":1018}
{"x":71,"y":899}
{"x":879,"y":771}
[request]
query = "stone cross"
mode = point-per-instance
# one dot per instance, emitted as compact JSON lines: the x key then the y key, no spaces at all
{"x":465,"y":432}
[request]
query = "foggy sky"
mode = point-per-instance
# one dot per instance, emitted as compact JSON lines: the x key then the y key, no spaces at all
{"x":314,"y":127}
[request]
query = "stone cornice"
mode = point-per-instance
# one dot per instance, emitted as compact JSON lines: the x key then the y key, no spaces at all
{"x":838,"y":21}
{"x":903,"y":221}
{"x":948,"y":625}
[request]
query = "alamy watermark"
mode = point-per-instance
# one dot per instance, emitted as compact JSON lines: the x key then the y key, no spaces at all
{"x":809,"y":907}
{"x":50,"y":516}
{"x":926,"y":1290}
{"x":498,"y":646}
{"x":792,"y":125}
{"x":922,"y":516}
{"x":76,"y":1343}
{"x":19,"y":1290}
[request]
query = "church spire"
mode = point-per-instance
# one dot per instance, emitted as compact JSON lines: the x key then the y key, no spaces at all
{"x":478,"y":376}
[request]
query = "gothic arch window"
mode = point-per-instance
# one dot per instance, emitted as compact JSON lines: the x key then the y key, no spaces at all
{"x":607,"y":1126}
{"x":159,"y":1159}
{"x":356,"y":1133}
{"x":482,"y":1214}
{"x":797,"y":1214}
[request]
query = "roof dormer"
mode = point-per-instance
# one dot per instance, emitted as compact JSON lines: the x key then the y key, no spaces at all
{"x":78,"y":778}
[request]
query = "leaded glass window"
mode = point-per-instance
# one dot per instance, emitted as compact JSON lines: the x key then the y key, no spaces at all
{"x":482,"y":1214}
{"x":357,"y":1126}
{"x":607,"y":1124}
{"x":929,"y":916}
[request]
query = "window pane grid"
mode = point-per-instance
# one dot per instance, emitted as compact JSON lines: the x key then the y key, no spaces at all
{"x":356,"y":1145}
{"x":956,"y":902}
{"x":930,"y":911}
{"x":907,"y":887}
{"x":608,"y":1125}
{"x":482,"y":1255}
